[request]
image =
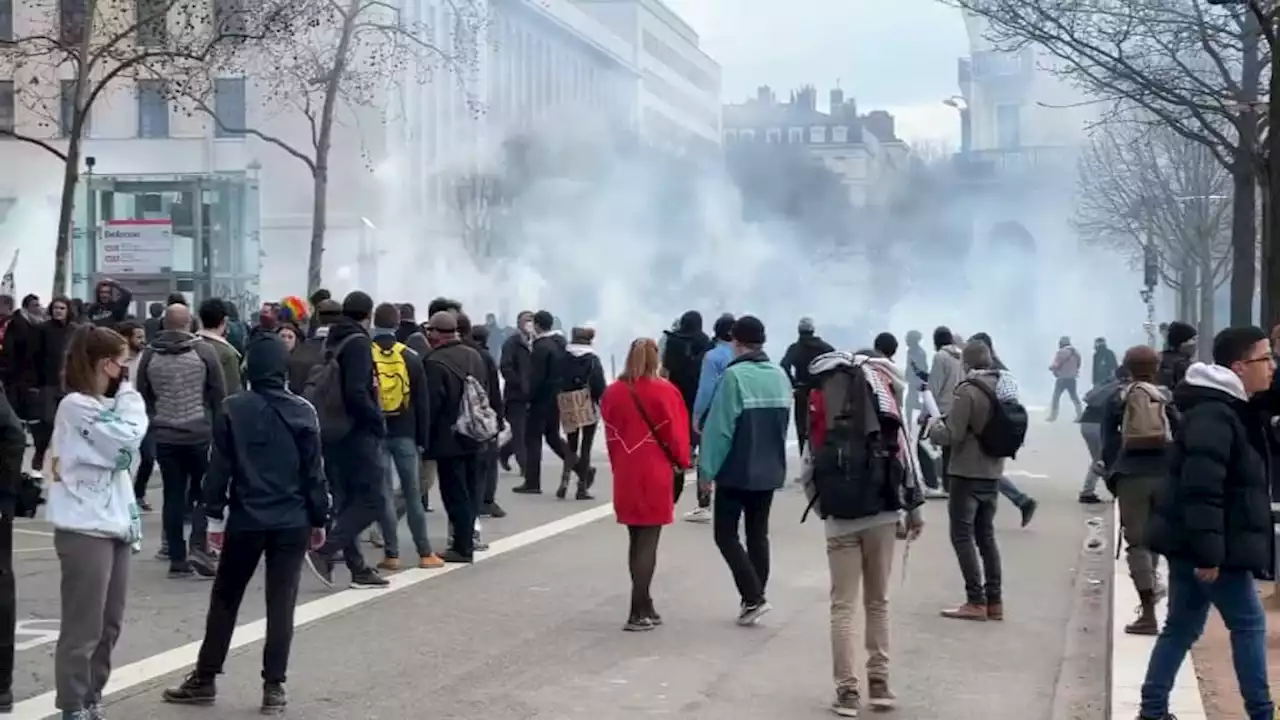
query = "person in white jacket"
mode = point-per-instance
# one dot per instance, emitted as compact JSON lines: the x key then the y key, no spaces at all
{"x":97,"y":433}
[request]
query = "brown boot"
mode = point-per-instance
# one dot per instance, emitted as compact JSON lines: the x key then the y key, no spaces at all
{"x":995,"y":611}
{"x":967,"y":611}
{"x":1145,"y":623}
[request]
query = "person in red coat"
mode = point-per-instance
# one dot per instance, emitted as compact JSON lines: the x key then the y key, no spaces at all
{"x":647,"y":435}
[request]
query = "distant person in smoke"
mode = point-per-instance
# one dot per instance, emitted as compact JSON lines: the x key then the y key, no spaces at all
{"x":409,"y":333}
{"x":917,"y":370}
{"x":795,"y":363}
{"x":496,"y":335}
{"x":945,"y":374}
{"x":545,"y":361}
{"x":1066,"y":373}
{"x":1104,"y":362}
{"x":515,"y":363}
{"x":713,"y":366}
{"x":682,"y":356}
{"x":1179,"y":351}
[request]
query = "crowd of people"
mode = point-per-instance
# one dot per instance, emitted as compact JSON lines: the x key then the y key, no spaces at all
{"x":289,"y":439}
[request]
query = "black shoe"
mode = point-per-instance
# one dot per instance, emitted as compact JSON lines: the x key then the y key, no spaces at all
{"x":494,"y":510}
{"x":321,"y":566}
{"x":1028,"y":511}
{"x":178,"y":571}
{"x":504,"y":462}
{"x":526,"y":490}
{"x":640,"y":624}
{"x":195,"y":690}
{"x":591,"y":478}
{"x":1090,"y":499}
{"x":563,"y":490}
{"x":6,"y":702}
{"x":144,"y":506}
{"x":453,"y":556}
{"x":274,"y":699}
{"x":367,"y":579}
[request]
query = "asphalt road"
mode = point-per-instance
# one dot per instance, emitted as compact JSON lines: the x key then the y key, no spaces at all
{"x":534,"y":629}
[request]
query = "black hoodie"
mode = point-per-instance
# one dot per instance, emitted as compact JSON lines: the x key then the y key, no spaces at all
{"x":795,"y":362}
{"x":264,"y":464}
{"x":359,"y":386}
{"x":544,"y":366}
{"x":516,"y":363}
{"x":682,"y":356}
{"x":115,"y":310}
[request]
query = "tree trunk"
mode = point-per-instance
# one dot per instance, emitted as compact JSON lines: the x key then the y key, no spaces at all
{"x":62,"y":248}
{"x":1244,"y":182}
{"x":1187,"y":292}
{"x":324,"y":141}
{"x":1205,"y":326}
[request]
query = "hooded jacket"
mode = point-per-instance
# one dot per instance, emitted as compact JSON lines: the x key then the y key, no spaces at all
{"x":359,"y":384}
{"x":1214,"y":511}
{"x":744,"y":441}
{"x":581,"y":368}
{"x":683,"y":353}
{"x":228,"y":360}
{"x":801,"y":353}
{"x":1176,"y":356}
{"x":407,"y":332}
{"x":181,"y":382}
{"x":544,"y":363}
{"x":446,"y":367}
{"x":516,"y":364}
{"x":265,"y":470}
{"x":1104,"y":365}
{"x":945,"y":374}
{"x":1066,"y":363}
{"x":415,"y":421}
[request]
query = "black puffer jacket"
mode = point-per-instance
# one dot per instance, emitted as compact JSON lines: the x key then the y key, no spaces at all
{"x":795,"y":362}
{"x":683,"y":353}
{"x":544,"y":366}
{"x":1215,"y":510}
{"x":516,"y":365}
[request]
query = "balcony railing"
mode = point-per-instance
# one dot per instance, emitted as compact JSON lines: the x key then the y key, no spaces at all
{"x":997,"y":164}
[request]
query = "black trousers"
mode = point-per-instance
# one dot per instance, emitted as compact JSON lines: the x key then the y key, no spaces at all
{"x":801,"y":408}
{"x":971,"y":510}
{"x":354,"y":467}
{"x":182,"y":469}
{"x":517,"y":415}
{"x":749,"y":565}
{"x":146,"y":464}
{"x":543,"y":424}
{"x":241,"y":551}
{"x":458,"y":486}
{"x":642,"y":561}
{"x":8,"y":604}
{"x":579,"y":443}
{"x":487,"y":469}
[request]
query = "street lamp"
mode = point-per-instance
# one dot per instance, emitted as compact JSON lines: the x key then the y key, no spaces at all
{"x":961,"y":104}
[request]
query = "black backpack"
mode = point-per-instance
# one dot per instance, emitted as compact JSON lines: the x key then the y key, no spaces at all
{"x":323,"y":390}
{"x":1006,"y":430}
{"x":858,"y":474}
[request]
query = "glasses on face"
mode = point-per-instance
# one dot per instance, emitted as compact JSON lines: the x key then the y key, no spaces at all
{"x":1270,"y":359}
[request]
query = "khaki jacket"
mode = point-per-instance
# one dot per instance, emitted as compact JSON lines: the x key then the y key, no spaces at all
{"x":959,"y":430}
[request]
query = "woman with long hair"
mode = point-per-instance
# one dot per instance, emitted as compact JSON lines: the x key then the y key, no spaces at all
{"x":581,"y":387}
{"x":97,"y":433}
{"x":647,"y":435}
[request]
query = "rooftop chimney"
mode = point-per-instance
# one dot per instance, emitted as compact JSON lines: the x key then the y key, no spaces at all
{"x":764,"y":95}
{"x":880,"y":124}
{"x":837,"y":101}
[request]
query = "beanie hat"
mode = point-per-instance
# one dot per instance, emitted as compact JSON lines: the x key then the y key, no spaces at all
{"x":748,"y":330}
{"x":1179,"y":333}
{"x":295,"y":305}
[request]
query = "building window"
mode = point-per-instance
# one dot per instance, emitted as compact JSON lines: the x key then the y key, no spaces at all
{"x":773,"y":135}
{"x":6,"y":19}
{"x":7,"y":120}
{"x":153,"y":109}
{"x":680,"y":64}
{"x":152,"y":19}
{"x":795,"y":135}
{"x":229,"y":104}
{"x":817,"y":134}
{"x":67,"y":110}
{"x":1008,"y":127}
{"x":71,"y":16}
{"x":840,"y":134}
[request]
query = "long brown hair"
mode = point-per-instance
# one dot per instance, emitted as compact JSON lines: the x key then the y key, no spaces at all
{"x":87,"y":347}
{"x":642,"y":360}
{"x":1142,"y":363}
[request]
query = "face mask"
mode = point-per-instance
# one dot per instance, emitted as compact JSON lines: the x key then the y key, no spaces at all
{"x":113,"y":385}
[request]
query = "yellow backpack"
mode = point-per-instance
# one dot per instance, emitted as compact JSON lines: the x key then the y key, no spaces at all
{"x":393,"y":378}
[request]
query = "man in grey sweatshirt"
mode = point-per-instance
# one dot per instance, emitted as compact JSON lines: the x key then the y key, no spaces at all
{"x":181,"y":381}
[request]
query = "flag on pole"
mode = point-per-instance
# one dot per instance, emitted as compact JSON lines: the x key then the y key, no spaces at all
{"x":7,"y":284}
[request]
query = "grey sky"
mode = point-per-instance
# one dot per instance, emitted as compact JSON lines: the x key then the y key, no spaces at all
{"x":898,"y":55}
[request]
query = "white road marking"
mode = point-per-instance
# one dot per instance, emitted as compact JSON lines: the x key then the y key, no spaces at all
{"x":35,"y":549}
{"x":42,"y":634}
{"x":148,"y":669}
{"x":1025,"y":474}
{"x":41,"y":533}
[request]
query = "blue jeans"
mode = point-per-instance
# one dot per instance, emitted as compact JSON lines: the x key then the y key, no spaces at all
{"x":1011,"y":491}
{"x":401,"y":455}
{"x":1236,"y":597}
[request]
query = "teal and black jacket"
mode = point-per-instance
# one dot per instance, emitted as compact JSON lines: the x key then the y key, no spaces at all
{"x":744,"y":439}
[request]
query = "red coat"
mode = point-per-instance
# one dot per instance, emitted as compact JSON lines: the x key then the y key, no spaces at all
{"x":643,"y":491}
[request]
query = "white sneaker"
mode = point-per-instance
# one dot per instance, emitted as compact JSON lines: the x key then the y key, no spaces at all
{"x":35,"y":474}
{"x":698,"y":515}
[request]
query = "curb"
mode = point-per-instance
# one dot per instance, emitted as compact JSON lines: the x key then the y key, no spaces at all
{"x":1129,"y":653}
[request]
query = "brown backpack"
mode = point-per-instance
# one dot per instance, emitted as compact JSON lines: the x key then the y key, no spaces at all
{"x":1144,"y":424}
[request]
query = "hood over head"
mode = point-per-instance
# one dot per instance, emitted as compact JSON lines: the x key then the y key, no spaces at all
{"x":690,"y":323}
{"x":1179,"y":334}
{"x":172,"y":342}
{"x":1204,"y":381}
{"x":579,"y":349}
{"x":266,"y":364}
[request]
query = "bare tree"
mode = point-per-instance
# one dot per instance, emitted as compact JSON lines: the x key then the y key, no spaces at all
{"x":1190,"y":67}
{"x":1142,"y":185}
{"x":479,"y":199}
{"x":352,"y":55}
{"x":102,"y":43}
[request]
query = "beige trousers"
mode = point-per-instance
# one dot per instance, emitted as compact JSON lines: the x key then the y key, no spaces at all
{"x":861,"y":561}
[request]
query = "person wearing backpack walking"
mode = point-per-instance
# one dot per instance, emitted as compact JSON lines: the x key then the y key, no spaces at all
{"x":744,"y":454}
{"x":402,"y":394}
{"x":344,"y":392}
{"x":860,"y":480}
{"x":582,"y":384}
{"x":1137,"y":428}
{"x":462,"y":420}
{"x":986,"y":425}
